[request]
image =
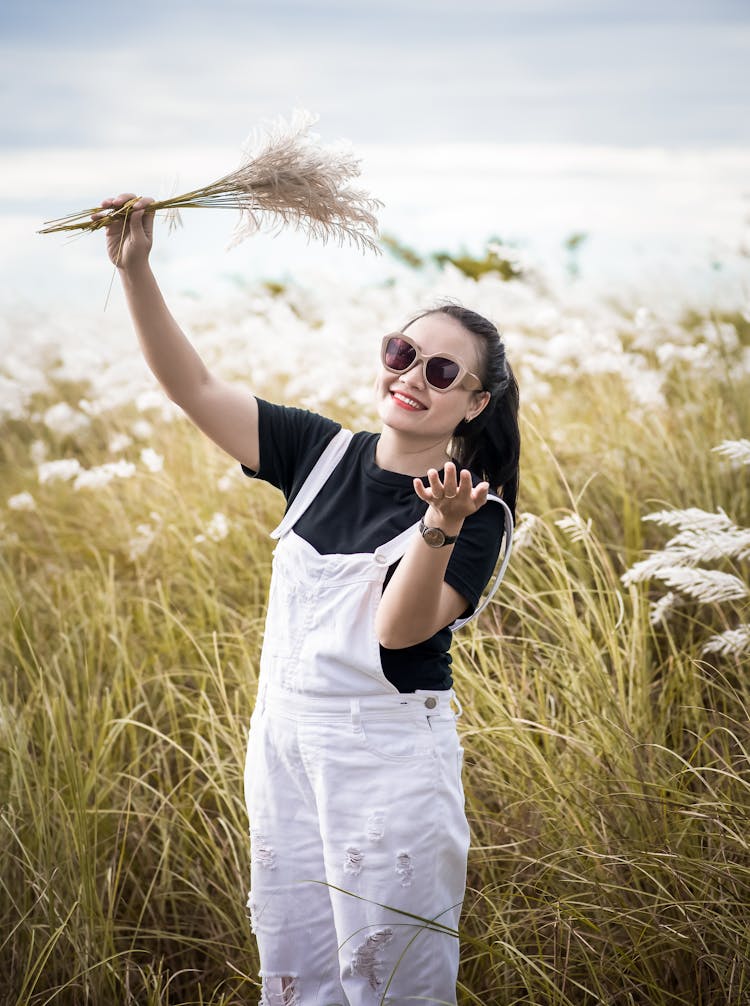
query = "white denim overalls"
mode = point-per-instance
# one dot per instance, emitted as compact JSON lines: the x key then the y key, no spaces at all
{"x":353,"y":791}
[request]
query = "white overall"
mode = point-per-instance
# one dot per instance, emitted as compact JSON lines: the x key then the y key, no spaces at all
{"x":353,"y":791}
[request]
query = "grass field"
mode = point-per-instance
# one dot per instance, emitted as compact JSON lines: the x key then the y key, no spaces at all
{"x":605,"y":721}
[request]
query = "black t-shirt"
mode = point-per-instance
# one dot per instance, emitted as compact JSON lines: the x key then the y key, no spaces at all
{"x":363,"y":506}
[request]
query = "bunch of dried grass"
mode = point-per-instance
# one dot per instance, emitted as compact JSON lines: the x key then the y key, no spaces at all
{"x":286,"y":177}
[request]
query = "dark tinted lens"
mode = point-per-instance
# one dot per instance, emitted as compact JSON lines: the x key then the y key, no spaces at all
{"x":399,"y":354}
{"x":441,"y":373}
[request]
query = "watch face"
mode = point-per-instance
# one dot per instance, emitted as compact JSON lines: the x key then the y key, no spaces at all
{"x":433,"y":536}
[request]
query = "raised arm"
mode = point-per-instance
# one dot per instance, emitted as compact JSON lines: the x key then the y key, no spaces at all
{"x":228,"y":414}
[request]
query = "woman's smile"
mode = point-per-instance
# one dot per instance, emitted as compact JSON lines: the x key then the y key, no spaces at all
{"x":407,"y":402}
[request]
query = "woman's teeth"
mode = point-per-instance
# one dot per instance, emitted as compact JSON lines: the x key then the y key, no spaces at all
{"x":411,"y":402}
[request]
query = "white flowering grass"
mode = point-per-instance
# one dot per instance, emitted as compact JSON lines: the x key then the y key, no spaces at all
{"x":737,"y":451}
{"x":141,"y":541}
{"x":119,"y":442}
{"x":709,"y":586}
{"x":730,"y":643}
{"x":141,"y":429}
{"x":62,"y":419}
{"x":691,"y":520}
{"x":549,"y":340}
{"x":102,"y":475}
{"x":62,"y":469}
{"x":216,"y":530}
{"x":151,"y":460}
{"x":574,"y":526}
{"x":526,"y":530}
{"x":702,"y":537}
{"x":659,"y":610}
{"x":22,"y":501}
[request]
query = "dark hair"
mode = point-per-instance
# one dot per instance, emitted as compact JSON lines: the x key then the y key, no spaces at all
{"x":489,"y":444}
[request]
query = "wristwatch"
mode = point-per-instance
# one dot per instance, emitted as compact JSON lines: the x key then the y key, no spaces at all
{"x":434,"y":537}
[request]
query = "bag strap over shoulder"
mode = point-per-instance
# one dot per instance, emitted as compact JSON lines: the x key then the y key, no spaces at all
{"x":508,"y":539}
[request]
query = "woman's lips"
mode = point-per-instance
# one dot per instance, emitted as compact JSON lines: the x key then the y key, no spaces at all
{"x":407,"y":402}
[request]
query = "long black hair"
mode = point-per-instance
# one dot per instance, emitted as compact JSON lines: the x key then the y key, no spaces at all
{"x":489,"y":444}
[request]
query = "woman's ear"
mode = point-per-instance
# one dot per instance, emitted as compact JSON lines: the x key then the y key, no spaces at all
{"x":480,"y":403}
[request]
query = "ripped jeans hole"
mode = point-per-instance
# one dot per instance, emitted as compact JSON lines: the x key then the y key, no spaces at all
{"x":404,"y":868}
{"x":375,"y":826}
{"x":262,"y":851}
{"x":353,"y":861}
{"x":279,"y":992}
{"x":366,"y":960}
{"x":252,"y":911}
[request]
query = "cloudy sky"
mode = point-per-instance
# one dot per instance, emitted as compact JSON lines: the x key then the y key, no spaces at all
{"x":618,"y":72}
{"x":534,"y":119}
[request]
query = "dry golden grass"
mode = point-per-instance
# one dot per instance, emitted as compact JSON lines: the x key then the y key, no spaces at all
{"x":608,"y":761}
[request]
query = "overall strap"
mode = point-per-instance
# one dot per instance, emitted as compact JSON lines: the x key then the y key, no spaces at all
{"x":394,"y":549}
{"x":319,"y":475}
{"x":508,"y":538}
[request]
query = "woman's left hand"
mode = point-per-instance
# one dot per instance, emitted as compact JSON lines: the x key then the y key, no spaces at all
{"x":453,"y":499}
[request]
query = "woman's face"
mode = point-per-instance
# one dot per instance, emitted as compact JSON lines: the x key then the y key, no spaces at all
{"x":407,"y":403}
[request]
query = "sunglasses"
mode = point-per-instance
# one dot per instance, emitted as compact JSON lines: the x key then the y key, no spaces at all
{"x":442,"y":372}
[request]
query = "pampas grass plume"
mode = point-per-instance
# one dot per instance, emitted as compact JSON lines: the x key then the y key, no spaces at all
{"x":286,"y":178}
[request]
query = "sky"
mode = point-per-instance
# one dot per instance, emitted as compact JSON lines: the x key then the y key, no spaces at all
{"x":621,"y":72}
{"x":626,"y":119}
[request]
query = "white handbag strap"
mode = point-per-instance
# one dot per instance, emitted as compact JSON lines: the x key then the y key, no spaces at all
{"x":508,"y":539}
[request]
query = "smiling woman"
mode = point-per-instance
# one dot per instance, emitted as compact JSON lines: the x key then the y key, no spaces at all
{"x":388,"y":539}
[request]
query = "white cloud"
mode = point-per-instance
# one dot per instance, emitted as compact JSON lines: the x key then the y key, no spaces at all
{"x":94,"y":107}
{"x":625,"y":77}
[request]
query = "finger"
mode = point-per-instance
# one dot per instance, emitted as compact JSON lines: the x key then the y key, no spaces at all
{"x":146,"y":218}
{"x":450,"y":484}
{"x":123,"y":198}
{"x":108,"y":219}
{"x":135,"y":223}
{"x":112,"y":204}
{"x":435,"y":484}
{"x":147,"y":223}
{"x":105,"y":204}
{"x":420,"y":490}
{"x":479,"y":494}
{"x":464,"y":483}
{"x":134,"y":215}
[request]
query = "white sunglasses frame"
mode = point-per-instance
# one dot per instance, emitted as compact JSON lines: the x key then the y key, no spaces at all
{"x":464,"y":378}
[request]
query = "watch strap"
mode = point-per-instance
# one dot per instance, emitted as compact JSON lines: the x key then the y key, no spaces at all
{"x":448,"y":539}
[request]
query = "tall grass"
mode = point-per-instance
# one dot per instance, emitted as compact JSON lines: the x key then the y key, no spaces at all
{"x":607,"y":774}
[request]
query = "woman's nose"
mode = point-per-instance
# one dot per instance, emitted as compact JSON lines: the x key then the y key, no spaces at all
{"x":415,"y":376}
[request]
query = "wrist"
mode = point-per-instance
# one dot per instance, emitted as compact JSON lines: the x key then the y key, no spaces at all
{"x":448,"y":525}
{"x":132,"y":273}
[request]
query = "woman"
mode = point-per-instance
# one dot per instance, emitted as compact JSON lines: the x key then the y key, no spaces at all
{"x":353,"y":774}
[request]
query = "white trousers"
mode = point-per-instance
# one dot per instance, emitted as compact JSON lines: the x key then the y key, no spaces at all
{"x":358,"y":836}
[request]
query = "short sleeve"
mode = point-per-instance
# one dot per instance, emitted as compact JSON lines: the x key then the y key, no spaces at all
{"x":290,"y":440}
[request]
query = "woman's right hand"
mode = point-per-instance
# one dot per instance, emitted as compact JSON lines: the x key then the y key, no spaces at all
{"x":129,"y":238}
